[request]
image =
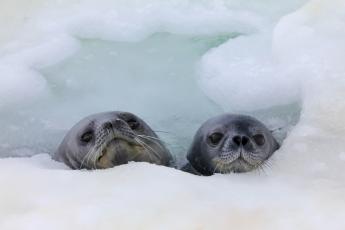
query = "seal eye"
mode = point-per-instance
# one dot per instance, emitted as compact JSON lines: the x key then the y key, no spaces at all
{"x":133,"y":124}
{"x":86,"y":137}
{"x":215,"y":138}
{"x":259,"y":139}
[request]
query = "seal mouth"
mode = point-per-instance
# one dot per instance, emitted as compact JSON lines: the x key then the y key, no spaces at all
{"x":232,"y":163}
{"x":241,"y":165}
{"x":116,"y":151}
{"x":119,"y":151}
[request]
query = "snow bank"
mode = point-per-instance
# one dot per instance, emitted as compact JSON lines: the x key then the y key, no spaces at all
{"x":314,"y":55}
{"x":40,"y":193}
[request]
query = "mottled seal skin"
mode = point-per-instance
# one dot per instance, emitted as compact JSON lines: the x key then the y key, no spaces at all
{"x":230,"y":143}
{"x":108,"y":139}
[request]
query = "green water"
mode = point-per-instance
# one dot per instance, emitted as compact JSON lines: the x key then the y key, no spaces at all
{"x":154,"y":78}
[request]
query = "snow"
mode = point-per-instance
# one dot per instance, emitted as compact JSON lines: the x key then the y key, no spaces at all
{"x":49,"y":195}
{"x":279,"y":61}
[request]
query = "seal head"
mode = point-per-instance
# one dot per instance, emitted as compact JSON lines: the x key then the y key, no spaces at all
{"x":107,"y":139}
{"x":231,"y":143}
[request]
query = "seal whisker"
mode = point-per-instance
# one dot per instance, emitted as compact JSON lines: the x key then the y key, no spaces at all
{"x":82,"y":162}
{"x":160,"y":140}
{"x":153,"y":151}
{"x":263,"y":167}
{"x":86,"y":157}
{"x":215,"y":168}
{"x":159,"y":131}
{"x":90,"y":154}
{"x":153,"y":140}
{"x":93,"y":157}
{"x":104,"y":142}
{"x":260,"y":169}
{"x":226,"y":169}
{"x":267,"y":164}
{"x":147,"y":151}
{"x":221,"y":169}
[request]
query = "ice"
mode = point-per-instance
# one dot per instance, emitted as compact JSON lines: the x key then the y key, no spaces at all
{"x":175,"y":64}
{"x":242,"y":75}
{"x":316,"y":56}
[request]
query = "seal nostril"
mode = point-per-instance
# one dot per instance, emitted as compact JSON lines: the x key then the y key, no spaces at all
{"x":118,"y":123}
{"x":245,"y":140}
{"x":108,"y":125}
{"x":237,"y":140}
{"x":133,"y":123}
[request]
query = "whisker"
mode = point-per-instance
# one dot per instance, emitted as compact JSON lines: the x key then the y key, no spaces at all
{"x":217,"y":164}
{"x":221,"y":169}
{"x":91,"y":153}
{"x":170,"y":144}
{"x":151,"y":137}
{"x":153,"y":140}
{"x":260,"y":169}
{"x":82,"y":161}
{"x":96,"y":151}
{"x":153,"y":151}
{"x":147,"y":152}
{"x":159,"y":131}
{"x":267,"y":164}
{"x":86,"y":157}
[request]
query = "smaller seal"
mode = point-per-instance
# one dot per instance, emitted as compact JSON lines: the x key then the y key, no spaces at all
{"x":108,"y":139}
{"x":230,"y":143}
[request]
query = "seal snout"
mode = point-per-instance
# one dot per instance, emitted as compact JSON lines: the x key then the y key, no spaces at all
{"x":117,"y":124}
{"x":119,"y":130}
{"x":108,"y":125}
{"x":240,"y":140}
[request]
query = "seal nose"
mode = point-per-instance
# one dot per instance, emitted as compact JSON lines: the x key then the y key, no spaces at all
{"x":245,"y":140}
{"x":238,"y":140}
{"x":108,"y":125}
{"x":118,"y":123}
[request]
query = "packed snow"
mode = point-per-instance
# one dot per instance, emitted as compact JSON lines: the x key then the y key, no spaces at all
{"x":175,"y":64}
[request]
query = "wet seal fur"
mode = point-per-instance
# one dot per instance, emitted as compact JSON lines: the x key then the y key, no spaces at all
{"x":230,"y":143}
{"x":108,"y":139}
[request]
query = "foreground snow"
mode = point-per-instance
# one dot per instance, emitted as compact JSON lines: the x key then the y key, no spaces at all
{"x":38,"y":193}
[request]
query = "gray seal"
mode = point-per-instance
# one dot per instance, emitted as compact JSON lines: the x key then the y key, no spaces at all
{"x":230,"y":143}
{"x":108,"y":139}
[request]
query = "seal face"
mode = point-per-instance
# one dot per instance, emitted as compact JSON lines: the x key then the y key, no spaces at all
{"x":230,"y":143}
{"x":107,"y":139}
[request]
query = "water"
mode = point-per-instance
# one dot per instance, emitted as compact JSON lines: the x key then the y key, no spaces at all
{"x":156,"y":78}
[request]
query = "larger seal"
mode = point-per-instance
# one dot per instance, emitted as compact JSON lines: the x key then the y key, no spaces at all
{"x":230,"y":143}
{"x":108,"y":139}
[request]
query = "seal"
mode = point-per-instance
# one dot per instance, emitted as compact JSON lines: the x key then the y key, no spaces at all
{"x":108,"y":139}
{"x":230,"y":143}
